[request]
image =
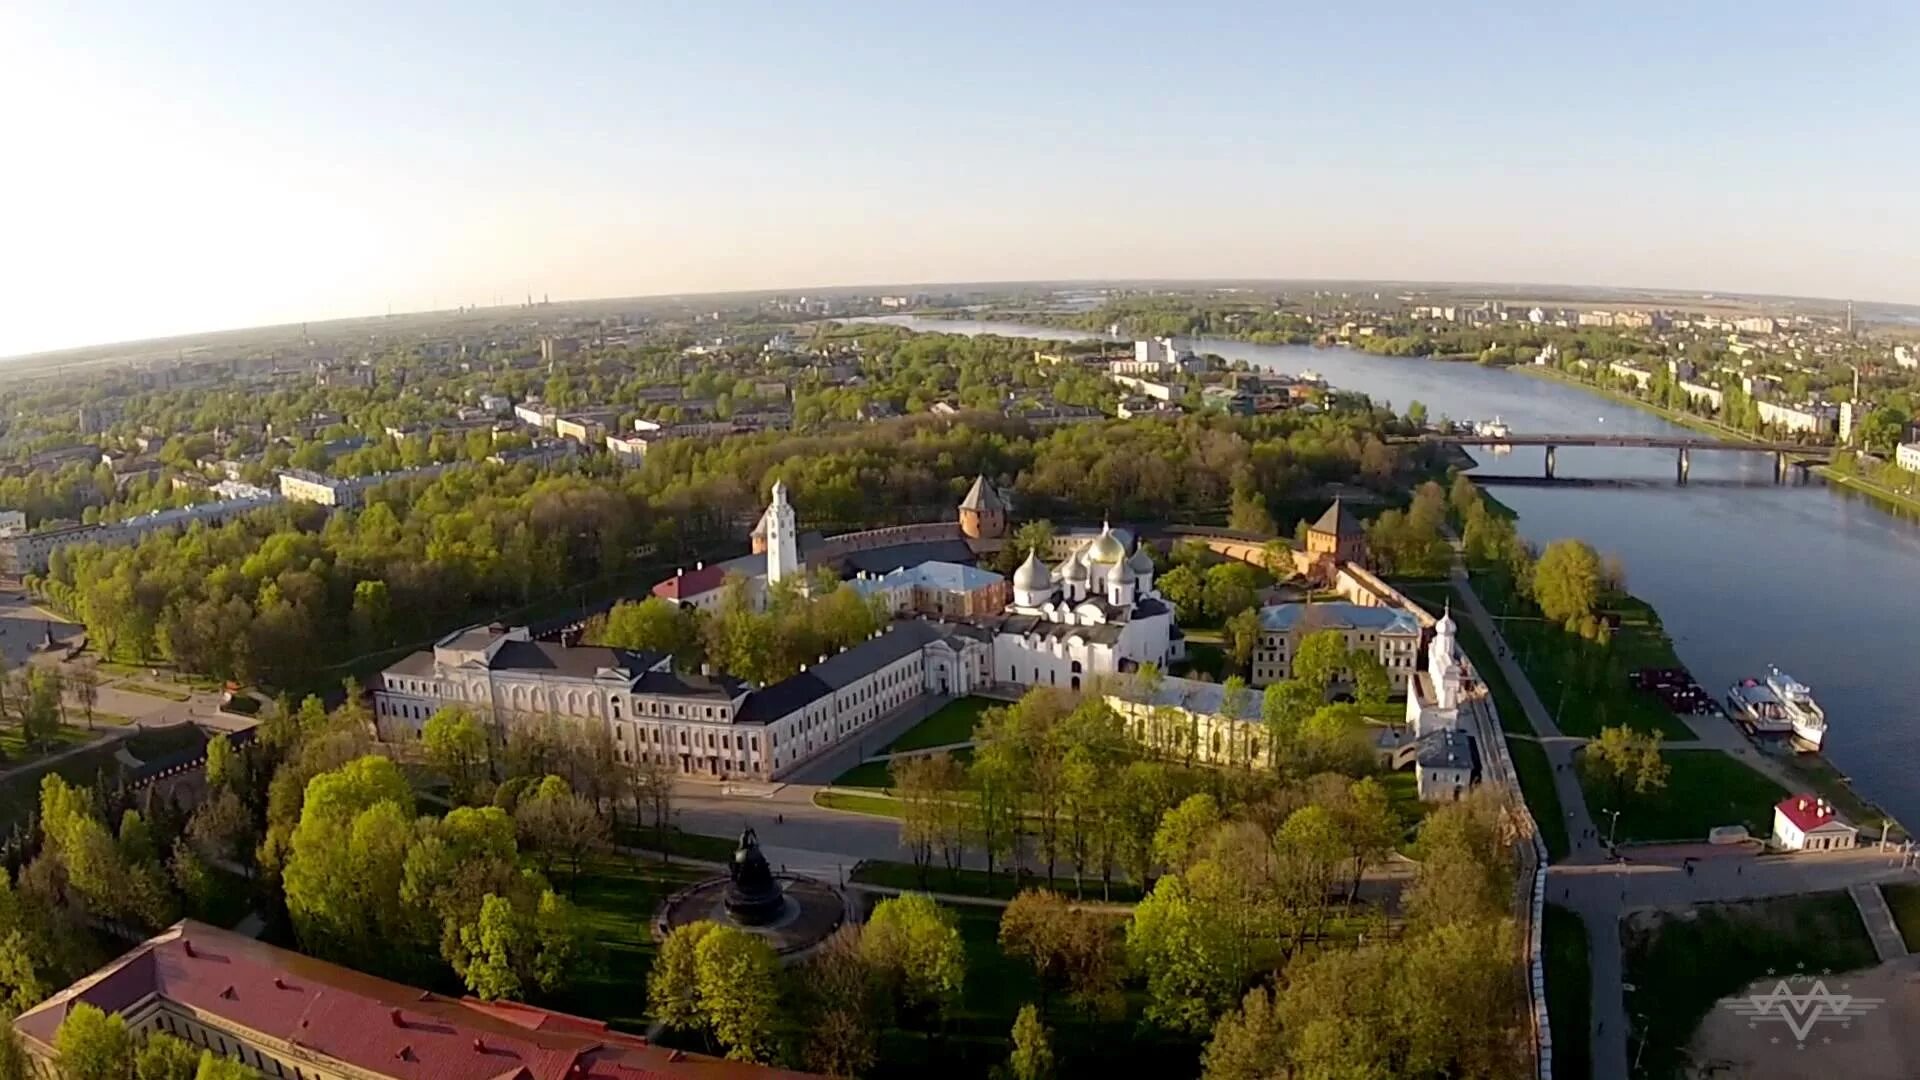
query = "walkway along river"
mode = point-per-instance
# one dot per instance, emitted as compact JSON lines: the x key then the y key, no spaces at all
{"x":1743,"y":572}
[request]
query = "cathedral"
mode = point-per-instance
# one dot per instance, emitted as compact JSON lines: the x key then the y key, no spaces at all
{"x":1097,"y":613}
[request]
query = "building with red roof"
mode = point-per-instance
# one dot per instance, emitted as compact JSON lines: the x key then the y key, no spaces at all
{"x":289,"y":1015}
{"x":1809,"y":823}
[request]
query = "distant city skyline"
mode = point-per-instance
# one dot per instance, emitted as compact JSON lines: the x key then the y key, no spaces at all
{"x":221,"y":166}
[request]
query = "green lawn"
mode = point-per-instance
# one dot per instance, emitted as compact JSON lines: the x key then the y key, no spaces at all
{"x":15,"y":751}
{"x":1903,"y":899}
{"x":1582,"y":683}
{"x":1535,"y":771}
{"x":684,"y":844}
{"x":1204,"y":658}
{"x":952,"y":724}
{"x":1563,"y":945}
{"x":858,"y":804}
{"x":875,"y":774}
{"x":1001,"y":886}
{"x":1705,"y":789}
{"x":1680,"y":964}
{"x":616,"y":897}
{"x":151,"y":690}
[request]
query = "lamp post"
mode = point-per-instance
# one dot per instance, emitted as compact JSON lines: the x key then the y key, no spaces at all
{"x":1615,"y":824}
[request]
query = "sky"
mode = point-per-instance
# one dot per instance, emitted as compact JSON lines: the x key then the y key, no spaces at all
{"x":178,"y":167}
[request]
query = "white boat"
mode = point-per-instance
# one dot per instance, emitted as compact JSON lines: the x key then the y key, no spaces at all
{"x":1750,"y":702}
{"x":1493,"y":429}
{"x":1808,"y":719}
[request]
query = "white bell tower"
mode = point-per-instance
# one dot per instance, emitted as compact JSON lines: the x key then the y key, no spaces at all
{"x":783,"y":558}
{"x":1442,"y":668}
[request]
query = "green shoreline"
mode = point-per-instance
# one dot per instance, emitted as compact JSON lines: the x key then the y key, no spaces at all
{"x":1712,"y":427}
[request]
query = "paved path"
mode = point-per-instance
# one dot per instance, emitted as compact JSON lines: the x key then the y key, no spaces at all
{"x":831,"y":763}
{"x":1887,"y":942}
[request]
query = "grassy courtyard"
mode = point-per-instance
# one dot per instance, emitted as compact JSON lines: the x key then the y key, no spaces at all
{"x":1681,"y":963}
{"x":1582,"y":683}
{"x":616,"y":897}
{"x":953,"y":723}
{"x":1705,"y":789}
{"x":1903,"y":899}
{"x":1563,"y":943}
{"x":1535,"y":772}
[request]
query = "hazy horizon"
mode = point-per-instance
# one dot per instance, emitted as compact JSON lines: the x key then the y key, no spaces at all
{"x":219,"y":166}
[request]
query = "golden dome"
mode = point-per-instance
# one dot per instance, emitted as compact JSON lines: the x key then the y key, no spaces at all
{"x":1106,"y":548}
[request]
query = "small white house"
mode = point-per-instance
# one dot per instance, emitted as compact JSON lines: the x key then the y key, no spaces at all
{"x":1445,"y":765}
{"x":1809,"y":823}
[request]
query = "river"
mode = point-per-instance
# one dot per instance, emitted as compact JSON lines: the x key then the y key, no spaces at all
{"x":1744,"y":572}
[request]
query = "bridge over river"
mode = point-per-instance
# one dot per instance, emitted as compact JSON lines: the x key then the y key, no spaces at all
{"x":1785,"y":455}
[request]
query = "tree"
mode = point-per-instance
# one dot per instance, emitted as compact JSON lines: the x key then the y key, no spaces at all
{"x":673,"y":984}
{"x":223,"y":769}
{"x":489,"y":944}
{"x":1191,"y":958}
{"x":1248,"y":513}
{"x":1033,"y":536}
{"x":1625,"y":761}
{"x":84,"y":681}
{"x":1321,"y":657}
{"x":842,"y":1009}
{"x":1186,"y":590}
{"x":1248,"y":1043}
{"x":651,"y":780}
{"x":559,"y":825}
{"x":346,"y":861}
{"x":215,"y":1067}
{"x":457,"y":744}
{"x":1069,"y":949}
{"x":655,"y":624}
{"x":93,"y":1045}
{"x":1176,"y":843}
{"x":1371,"y":685}
{"x":1231,"y":587}
{"x":164,"y":1057}
{"x":1566,"y":580}
{"x":1241,"y":635}
{"x":738,"y":978}
{"x":913,"y":946}
{"x":1032,"y":1057}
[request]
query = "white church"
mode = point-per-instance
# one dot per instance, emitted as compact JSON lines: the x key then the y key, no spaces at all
{"x":1446,"y":760}
{"x":1097,"y":613}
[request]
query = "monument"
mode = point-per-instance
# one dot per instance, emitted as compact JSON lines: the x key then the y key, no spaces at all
{"x":754,"y":898}
{"x":791,"y":912}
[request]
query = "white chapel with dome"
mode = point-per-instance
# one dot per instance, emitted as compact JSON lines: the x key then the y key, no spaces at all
{"x":1096,"y":613}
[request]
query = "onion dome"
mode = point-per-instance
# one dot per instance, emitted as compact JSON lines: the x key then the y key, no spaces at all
{"x":1142,"y":563}
{"x":1124,"y":574}
{"x":1074,"y":570}
{"x":1106,"y":548}
{"x":1032,"y":575}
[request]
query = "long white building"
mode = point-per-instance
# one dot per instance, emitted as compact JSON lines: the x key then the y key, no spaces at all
{"x":703,"y":724}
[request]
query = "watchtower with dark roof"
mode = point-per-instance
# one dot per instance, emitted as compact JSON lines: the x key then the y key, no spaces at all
{"x":983,"y":513}
{"x":1338,"y":536}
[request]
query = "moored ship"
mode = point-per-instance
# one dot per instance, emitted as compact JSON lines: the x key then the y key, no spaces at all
{"x":1808,"y":719}
{"x":1755,"y":708}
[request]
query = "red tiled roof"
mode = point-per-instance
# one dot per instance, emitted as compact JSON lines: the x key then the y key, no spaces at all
{"x":691,"y":583}
{"x":382,"y":1027}
{"x":1807,"y":812}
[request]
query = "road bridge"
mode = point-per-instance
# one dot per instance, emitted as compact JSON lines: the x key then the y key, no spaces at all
{"x":1785,"y":455}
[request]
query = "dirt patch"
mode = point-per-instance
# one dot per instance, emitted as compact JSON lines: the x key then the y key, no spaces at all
{"x":1881,"y":1037}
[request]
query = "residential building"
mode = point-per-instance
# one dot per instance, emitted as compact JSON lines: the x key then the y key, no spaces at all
{"x":282,"y":1014}
{"x":627,"y":451}
{"x":12,"y":522}
{"x":1809,"y":823}
{"x":583,"y":429}
{"x":1698,"y":393}
{"x":1757,"y":324}
{"x":1907,"y":456}
{"x":534,"y":414}
{"x":1638,"y":375}
{"x":301,"y":485}
{"x":1152,"y":357}
{"x":1389,"y":634}
{"x":1812,"y":418}
{"x":1228,"y":399}
{"x":496,"y":404}
{"x":1906,"y":356}
{"x":1851,"y":413}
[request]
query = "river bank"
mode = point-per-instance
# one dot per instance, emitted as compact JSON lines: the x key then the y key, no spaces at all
{"x":1706,"y":426}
